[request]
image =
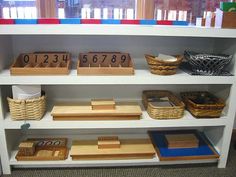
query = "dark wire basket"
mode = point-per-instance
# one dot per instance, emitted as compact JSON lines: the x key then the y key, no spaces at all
{"x":207,"y":64}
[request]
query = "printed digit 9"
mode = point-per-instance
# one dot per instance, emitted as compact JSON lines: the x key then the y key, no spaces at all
{"x":123,"y":58}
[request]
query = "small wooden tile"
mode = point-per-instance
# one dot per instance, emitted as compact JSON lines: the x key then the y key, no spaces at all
{"x":102,"y":104}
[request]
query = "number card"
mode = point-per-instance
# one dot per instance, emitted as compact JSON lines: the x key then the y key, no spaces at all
{"x":42,"y":63}
{"x":49,"y":142}
{"x":105,"y":63}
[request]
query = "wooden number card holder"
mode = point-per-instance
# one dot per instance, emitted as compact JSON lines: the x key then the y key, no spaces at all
{"x":42,"y":63}
{"x":105,"y":63}
{"x":43,"y":149}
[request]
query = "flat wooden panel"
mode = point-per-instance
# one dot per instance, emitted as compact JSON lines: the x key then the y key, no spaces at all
{"x":133,"y":148}
{"x":85,"y":109}
{"x":90,"y":118}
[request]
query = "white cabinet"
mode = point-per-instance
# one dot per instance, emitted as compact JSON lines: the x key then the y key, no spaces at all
{"x":136,"y":40}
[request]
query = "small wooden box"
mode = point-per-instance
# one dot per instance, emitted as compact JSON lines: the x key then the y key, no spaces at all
{"x":101,"y":104}
{"x":105,"y":63}
{"x":27,"y":148}
{"x":108,"y":142}
{"x":181,"y":141}
{"x":42,"y":63}
{"x":225,"y":19}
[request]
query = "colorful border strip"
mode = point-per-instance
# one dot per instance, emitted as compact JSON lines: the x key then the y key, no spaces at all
{"x":26,"y":21}
{"x":92,"y":21}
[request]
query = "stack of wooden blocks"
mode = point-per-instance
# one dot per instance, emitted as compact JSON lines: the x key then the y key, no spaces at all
{"x":181,"y":141}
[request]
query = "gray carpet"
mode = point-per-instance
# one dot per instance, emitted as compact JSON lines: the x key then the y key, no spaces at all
{"x":200,"y":170}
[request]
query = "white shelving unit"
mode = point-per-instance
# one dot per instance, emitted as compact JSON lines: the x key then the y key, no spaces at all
{"x":135,"y":39}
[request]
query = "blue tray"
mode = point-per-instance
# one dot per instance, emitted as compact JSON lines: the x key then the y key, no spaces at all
{"x":204,"y":151}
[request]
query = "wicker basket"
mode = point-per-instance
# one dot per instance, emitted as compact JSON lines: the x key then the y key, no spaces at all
{"x":155,"y":112}
{"x":30,"y":109}
{"x":212,"y":110}
{"x":162,"y":67}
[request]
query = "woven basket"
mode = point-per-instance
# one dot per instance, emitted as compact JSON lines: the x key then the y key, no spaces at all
{"x":162,"y":67}
{"x":203,"y":110}
{"x":155,"y":112}
{"x":30,"y":109}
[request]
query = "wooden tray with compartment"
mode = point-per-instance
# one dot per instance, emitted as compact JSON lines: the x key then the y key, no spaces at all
{"x":43,"y":149}
{"x":105,"y":63}
{"x":42,"y":63}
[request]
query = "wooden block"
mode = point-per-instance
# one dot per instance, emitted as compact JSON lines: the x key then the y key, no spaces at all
{"x":102,"y":104}
{"x":27,"y":148}
{"x":182,"y":140}
{"x":129,"y":149}
{"x":108,"y":142}
{"x":225,"y":19}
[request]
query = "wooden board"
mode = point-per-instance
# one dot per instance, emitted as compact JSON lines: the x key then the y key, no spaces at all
{"x":46,"y":149}
{"x":84,"y":111}
{"x":40,"y":63}
{"x":105,"y":63}
{"x":129,"y":149}
{"x":181,"y":141}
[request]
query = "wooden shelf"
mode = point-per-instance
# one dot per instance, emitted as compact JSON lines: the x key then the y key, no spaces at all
{"x":146,"y":122}
{"x":141,"y":77}
{"x":98,"y":163}
{"x":117,"y":30}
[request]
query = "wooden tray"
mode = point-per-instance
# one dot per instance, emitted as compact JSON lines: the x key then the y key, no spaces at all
{"x":204,"y":151}
{"x":128,"y":149}
{"x":105,"y":63}
{"x":84,"y":111}
{"x":40,"y":63}
{"x":46,"y":149}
